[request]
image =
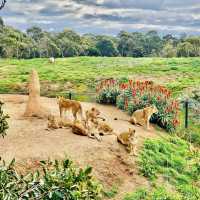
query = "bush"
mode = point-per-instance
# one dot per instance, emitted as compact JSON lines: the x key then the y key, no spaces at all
{"x":134,"y":95}
{"x":107,"y":92}
{"x":59,"y":180}
{"x":3,"y":121}
{"x":138,"y":95}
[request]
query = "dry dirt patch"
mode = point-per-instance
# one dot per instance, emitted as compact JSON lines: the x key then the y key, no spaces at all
{"x":28,"y":142}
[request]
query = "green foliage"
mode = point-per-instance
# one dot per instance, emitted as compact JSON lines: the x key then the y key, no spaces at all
{"x":106,"y":47}
{"x":39,"y":43}
{"x":172,"y":160}
{"x":86,"y":71}
{"x":169,"y":51}
{"x":191,"y":135}
{"x":107,"y":92}
{"x":3,"y":121}
{"x":157,"y":193}
{"x":59,"y":180}
{"x":140,"y":194}
{"x":135,"y":95}
{"x":141,"y":94}
{"x":111,"y":193}
{"x":107,"y":96}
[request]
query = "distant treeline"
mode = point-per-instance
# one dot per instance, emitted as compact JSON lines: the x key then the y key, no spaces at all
{"x":36,"y":43}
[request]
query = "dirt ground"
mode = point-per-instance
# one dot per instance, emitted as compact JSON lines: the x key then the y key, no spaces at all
{"x":28,"y":141}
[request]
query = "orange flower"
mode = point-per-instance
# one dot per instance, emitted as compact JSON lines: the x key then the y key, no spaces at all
{"x":130,"y":82}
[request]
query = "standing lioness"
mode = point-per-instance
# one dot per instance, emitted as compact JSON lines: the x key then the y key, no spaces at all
{"x":74,"y":106}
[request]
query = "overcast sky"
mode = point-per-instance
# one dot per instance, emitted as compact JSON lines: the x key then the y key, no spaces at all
{"x":105,"y":16}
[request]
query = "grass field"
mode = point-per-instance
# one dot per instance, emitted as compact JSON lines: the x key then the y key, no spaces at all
{"x":165,"y":161}
{"x":84,"y":72}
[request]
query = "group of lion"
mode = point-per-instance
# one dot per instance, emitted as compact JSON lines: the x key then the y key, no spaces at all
{"x":94,"y":126}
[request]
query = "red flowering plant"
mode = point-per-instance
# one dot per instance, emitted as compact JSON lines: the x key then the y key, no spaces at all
{"x":107,"y":91}
{"x":139,"y":94}
{"x":133,"y":95}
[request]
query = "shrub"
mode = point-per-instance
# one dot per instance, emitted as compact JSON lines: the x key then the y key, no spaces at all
{"x":134,"y":95}
{"x":3,"y":121}
{"x":59,"y":180}
{"x":107,"y":92}
{"x":139,"y":94}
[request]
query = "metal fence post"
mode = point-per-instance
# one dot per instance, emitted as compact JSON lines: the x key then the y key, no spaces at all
{"x":186,"y":113}
{"x":70,"y":95}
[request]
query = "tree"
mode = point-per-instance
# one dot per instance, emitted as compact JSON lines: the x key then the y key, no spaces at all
{"x":106,"y":47}
{"x":169,"y":50}
{"x":1,"y":23}
{"x":153,"y":43}
{"x":35,"y":33}
{"x":39,"y":43}
{"x":195,"y":42}
{"x":184,"y":49}
{"x":131,"y":44}
{"x":2,"y":4}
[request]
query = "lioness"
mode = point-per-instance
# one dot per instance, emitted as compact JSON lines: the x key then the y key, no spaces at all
{"x":129,"y":140}
{"x":66,"y":104}
{"x":80,"y":128}
{"x":93,"y":115}
{"x":105,"y":129}
{"x":56,"y":123}
{"x":143,"y":116}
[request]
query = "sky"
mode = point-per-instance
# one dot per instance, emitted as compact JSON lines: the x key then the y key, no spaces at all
{"x":105,"y":16}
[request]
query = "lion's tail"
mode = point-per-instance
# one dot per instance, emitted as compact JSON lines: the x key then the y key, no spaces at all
{"x":126,"y":120}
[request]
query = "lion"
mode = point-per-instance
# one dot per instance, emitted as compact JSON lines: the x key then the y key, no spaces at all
{"x":105,"y":129}
{"x":66,"y":104}
{"x":93,"y":115}
{"x":80,"y":128}
{"x":57,"y":123}
{"x":52,"y":123}
{"x":128,"y":139}
{"x":143,"y":116}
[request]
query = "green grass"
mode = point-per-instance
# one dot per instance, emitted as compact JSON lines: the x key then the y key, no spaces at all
{"x":157,"y":193}
{"x":84,"y":72}
{"x":167,"y":159}
{"x":170,"y":161}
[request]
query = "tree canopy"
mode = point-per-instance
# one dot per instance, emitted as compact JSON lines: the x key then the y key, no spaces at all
{"x":37,"y":43}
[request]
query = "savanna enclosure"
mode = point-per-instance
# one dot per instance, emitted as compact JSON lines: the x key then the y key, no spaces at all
{"x":166,"y":164}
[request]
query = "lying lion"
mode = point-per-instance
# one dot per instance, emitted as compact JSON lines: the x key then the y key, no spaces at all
{"x":92,"y":116}
{"x":56,"y":123}
{"x":80,"y":128}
